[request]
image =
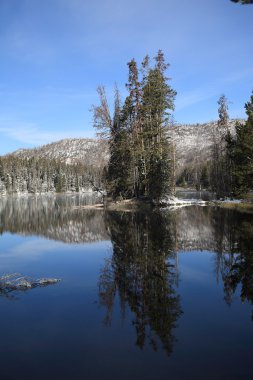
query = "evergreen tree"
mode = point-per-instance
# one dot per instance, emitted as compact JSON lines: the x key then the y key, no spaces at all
{"x":223,"y":111}
{"x":116,"y":130}
{"x":133,"y":123}
{"x":158,"y":99}
{"x":140,"y":157}
{"x":240,"y":150}
{"x":119,"y":165}
{"x":220,"y":168}
{"x":37,"y":175}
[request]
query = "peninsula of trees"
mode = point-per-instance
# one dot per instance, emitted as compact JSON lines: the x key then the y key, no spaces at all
{"x":140,"y":163}
{"x":142,"y":157}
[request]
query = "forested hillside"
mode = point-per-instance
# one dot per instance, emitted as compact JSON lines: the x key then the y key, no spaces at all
{"x":70,"y":165}
{"x":39,"y":175}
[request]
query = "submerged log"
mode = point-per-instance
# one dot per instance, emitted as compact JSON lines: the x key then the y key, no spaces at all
{"x":16,"y":282}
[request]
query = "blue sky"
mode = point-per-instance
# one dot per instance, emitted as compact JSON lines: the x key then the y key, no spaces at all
{"x":54,"y":54}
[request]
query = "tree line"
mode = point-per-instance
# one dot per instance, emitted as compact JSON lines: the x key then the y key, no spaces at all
{"x":229,"y":171}
{"x":39,"y":175}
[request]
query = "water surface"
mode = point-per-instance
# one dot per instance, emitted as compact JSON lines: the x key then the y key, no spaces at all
{"x":161,"y":295}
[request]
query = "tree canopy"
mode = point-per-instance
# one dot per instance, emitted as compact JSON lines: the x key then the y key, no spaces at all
{"x":240,"y":151}
{"x":140,"y":158}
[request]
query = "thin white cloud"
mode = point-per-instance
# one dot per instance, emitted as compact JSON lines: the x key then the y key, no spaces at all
{"x":50,"y":97}
{"x":239,"y":75}
{"x":29,"y":133}
{"x":28,"y":47}
{"x":215,"y":88}
{"x":193,"y":97}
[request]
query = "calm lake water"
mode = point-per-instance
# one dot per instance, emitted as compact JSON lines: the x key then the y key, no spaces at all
{"x":162,"y":295}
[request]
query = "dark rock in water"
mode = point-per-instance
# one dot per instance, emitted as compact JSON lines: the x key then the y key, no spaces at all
{"x":16,"y":282}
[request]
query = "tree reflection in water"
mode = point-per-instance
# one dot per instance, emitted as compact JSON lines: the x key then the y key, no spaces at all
{"x":143,"y":268}
{"x":143,"y":272}
{"x":236,"y":264}
{"x":57,"y":217}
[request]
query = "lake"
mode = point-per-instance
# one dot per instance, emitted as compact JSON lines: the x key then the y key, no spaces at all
{"x":153,"y":295}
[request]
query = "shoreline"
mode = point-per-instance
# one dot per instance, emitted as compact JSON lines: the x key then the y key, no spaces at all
{"x":242,"y":206}
{"x":144,"y":204}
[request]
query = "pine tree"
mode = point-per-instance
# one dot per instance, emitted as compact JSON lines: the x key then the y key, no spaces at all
{"x":36,"y":175}
{"x":223,"y":112}
{"x":140,"y":156}
{"x":119,"y":165}
{"x":116,"y":130}
{"x":220,"y":177}
{"x":158,"y":99}
{"x":133,"y":123}
{"x":241,"y":153}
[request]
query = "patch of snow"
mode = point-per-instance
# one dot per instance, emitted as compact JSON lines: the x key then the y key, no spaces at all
{"x":228,"y":200}
{"x":176,"y":202}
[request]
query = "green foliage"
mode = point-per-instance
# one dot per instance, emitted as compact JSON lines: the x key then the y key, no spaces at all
{"x":197,"y":176}
{"x":159,"y":174}
{"x":38,"y":175}
{"x":119,"y":165}
{"x":240,"y":152}
{"x":204,"y":177}
{"x":220,"y":176}
{"x":140,"y":163}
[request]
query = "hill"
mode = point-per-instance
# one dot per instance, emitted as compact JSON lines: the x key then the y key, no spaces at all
{"x":91,"y":152}
{"x":193,"y":143}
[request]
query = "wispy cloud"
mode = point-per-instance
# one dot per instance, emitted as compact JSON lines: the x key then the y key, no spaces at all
{"x":29,"y":133}
{"x":193,"y":97}
{"x":235,"y":76}
{"x":189,"y":98}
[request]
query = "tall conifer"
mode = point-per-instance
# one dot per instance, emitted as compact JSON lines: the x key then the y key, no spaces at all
{"x":241,"y":152}
{"x":140,"y":161}
{"x":158,"y":99}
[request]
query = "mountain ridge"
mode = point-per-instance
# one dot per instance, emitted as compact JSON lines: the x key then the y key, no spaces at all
{"x":193,"y":143}
{"x":92,"y":152}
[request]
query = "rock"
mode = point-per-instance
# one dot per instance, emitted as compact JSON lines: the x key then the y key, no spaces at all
{"x":15,"y":282}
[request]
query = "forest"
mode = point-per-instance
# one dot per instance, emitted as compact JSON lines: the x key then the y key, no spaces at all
{"x":39,"y":175}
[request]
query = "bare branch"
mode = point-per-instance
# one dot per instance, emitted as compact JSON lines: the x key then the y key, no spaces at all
{"x":102,"y":120}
